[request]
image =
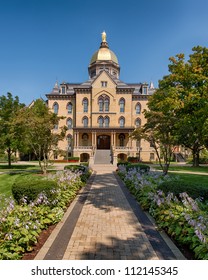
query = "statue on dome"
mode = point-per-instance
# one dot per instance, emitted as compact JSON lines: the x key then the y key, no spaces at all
{"x":103,"y":36}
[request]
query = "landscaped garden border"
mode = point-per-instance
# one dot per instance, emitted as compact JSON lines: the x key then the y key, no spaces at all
{"x":185,"y":219}
{"x":21,"y":223}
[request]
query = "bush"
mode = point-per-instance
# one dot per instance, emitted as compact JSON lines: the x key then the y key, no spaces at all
{"x":178,"y":186}
{"x":133,"y":159}
{"x":123,"y":163}
{"x":31,"y":189}
{"x":138,"y":166}
{"x":75,"y":168}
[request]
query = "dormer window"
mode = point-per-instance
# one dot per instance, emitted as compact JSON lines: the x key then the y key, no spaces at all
{"x":104,"y":84}
{"x":63,"y":90}
{"x":144,"y":89}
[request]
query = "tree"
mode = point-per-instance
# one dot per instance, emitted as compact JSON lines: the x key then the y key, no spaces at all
{"x":159,"y":127}
{"x":9,"y":134}
{"x":38,"y":123}
{"x":189,"y":79}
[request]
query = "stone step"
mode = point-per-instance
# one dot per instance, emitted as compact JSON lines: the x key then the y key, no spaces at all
{"x":102,"y":157}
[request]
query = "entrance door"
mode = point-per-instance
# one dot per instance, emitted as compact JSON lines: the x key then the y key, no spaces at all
{"x":103,"y":142}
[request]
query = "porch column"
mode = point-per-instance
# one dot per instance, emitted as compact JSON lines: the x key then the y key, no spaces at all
{"x":95,"y":140}
{"x":130,"y":141}
{"x":112,"y":142}
{"x":77,"y":139}
{"x":114,"y":139}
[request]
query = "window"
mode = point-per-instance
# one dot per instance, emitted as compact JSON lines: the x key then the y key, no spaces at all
{"x":106,"y":121}
{"x":69,"y":108}
{"x":85,"y":121}
{"x":101,"y":104}
{"x":63,"y":90}
{"x":55,"y":126}
{"x":144,"y":90}
{"x":85,"y":139}
{"x":104,"y":84}
{"x":100,"y":121}
{"x":106,"y":105}
{"x":121,"y":139}
{"x":122,"y":122}
{"x":85,"y":105}
{"x":55,"y":108}
{"x":138,"y":108}
{"x":69,"y":123}
{"x":122,"y":105}
{"x":137,"y":122}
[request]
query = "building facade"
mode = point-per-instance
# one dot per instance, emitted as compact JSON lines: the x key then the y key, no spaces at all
{"x":101,"y":113}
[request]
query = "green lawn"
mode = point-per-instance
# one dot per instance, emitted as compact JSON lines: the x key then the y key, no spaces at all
{"x":4,"y":167}
{"x":7,"y":180}
{"x":202,"y":169}
{"x":201,"y":180}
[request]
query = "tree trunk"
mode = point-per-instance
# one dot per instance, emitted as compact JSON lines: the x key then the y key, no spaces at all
{"x":195,"y":157}
{"x":9,"y":157}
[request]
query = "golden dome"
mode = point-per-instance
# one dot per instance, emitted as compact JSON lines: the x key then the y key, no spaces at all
{"x":104,"y":53}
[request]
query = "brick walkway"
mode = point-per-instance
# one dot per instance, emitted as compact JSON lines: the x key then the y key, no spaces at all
{"x":105,"y":227}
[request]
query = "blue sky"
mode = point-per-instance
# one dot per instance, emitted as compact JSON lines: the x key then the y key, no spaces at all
{"x":42,"y":41}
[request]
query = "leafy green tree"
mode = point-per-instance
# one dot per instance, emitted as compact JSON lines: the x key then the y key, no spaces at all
{"x":178,"y":110}
{"x":159,"y":127}
{"x":189,"y":81}
{"x":10,"y":135}
{"x":38,"y":123}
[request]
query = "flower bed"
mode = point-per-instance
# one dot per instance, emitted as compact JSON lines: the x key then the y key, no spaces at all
{"x":185,"y":219}
{"x":21,"y":224}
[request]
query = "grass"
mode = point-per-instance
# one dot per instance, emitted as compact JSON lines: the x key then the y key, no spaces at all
{"x":201,"y":180}
{"x":201,"y":169}
{"x":7,"y":180}
{"x":4,"y":167}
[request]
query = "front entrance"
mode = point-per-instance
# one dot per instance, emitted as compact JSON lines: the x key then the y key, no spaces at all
{"x":103,"y":142}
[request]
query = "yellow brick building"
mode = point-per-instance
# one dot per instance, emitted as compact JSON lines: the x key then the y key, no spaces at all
{"x":101,"y":113}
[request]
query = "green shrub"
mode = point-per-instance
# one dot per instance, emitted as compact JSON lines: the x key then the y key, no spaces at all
{"x":75,"y":168}
{"x":133,"y":159}
{"x":192,"y":189}
{"x":138,"y":166}
{"x":73,"y":158}
{"x":123,"y":163}
{"x":30,"y":189}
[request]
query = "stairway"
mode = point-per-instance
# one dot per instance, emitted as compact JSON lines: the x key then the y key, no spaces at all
{"x":179,"y":157}
{"x":102,"y":157}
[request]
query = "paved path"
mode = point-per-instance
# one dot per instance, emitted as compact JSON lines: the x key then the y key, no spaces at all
{"x":101,"y":224}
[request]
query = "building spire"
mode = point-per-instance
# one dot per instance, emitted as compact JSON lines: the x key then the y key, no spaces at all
{"x":104,"y":37}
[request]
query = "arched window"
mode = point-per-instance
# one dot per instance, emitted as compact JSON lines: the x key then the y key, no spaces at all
{"x":122,"y":121}
{"x":85,"y":138}
{"x":138,"y":108}
{"x":85,"y":105}
{"x":85,"y":121}
{"x":138,"y":122}
{"x":55,"y":108}
{"x":106,"y":121}
{"x":69,"y":108}
{"x":100,"y":121}
{"x":106,"y":102}
{"x":121,"y":139}
{"x":122,"y":105}
{"x":69,"y":123}
{"x":101,"y":104}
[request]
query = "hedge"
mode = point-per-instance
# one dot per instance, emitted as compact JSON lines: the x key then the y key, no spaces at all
{"x":75,"y":167}
{"x":31,"y":189}
{"x":138,"y":166}
{"x":194,"y":190}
